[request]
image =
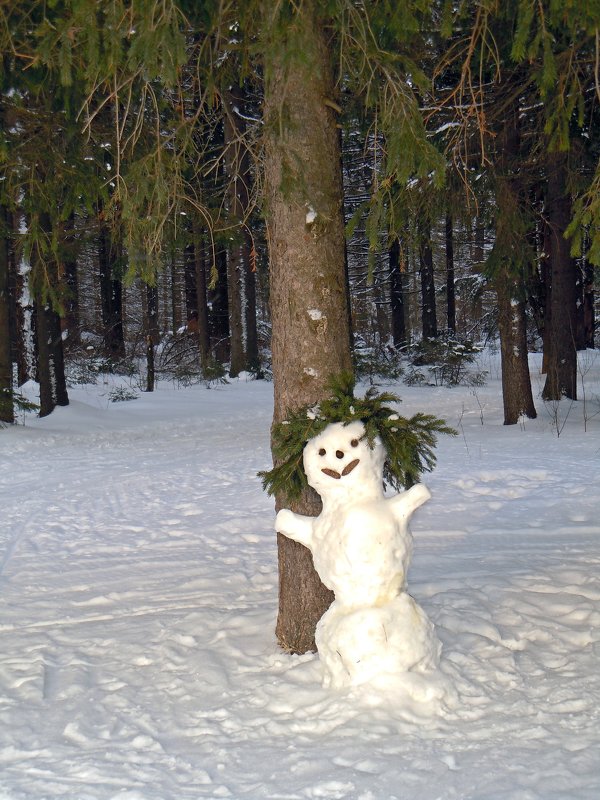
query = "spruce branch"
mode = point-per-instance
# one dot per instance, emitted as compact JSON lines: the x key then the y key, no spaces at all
{"x":408,"y":442}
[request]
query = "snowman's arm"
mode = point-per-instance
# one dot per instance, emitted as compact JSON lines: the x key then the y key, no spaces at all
{"x":405,"y":503}
{"x":295,"y":526}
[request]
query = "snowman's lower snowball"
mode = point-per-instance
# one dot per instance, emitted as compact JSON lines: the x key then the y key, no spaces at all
{"x":360,"y":645}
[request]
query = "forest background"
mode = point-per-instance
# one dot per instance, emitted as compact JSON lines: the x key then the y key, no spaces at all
{"x":132,"y":195}
{"x":197,"y":190}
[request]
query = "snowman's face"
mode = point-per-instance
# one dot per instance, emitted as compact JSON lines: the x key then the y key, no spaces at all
{"x":339,"y":460}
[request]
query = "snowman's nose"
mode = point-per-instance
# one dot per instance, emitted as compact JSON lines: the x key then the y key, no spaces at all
{"x":339,"y":453}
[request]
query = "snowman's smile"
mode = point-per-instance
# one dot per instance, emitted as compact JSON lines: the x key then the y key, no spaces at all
{"x":346,"y":471}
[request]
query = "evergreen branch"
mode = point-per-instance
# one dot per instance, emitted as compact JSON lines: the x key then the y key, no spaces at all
{"x":409,"y":443}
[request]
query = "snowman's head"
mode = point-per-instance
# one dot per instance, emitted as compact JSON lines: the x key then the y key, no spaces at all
{"x":340,"y":461}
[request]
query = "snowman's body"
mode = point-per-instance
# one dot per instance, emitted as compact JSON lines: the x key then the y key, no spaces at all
{"x":361,"y":549}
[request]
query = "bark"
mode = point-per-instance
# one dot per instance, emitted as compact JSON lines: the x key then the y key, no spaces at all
{"x":561,"y":327}
{"x":50,"y":359}
{"x":191,"y":289}
{"x":23,"y":323}
{"x":44,"y":362}
{"x":172,"y":292}
{"x":309,"y":303}
{"x":579,"y":308}
{"x":585,"y":306}
{"x":58,"y":358}
{"x":149,"y":364}
{"x":382,"y":327}
{"x":201,"y":304}
{"x":517,"y":396}
{"x":450,"y":293}
{"x":397,"y":294}
{"x":547,"y":296}
{"x":428,"y":309}
{"x":152,"y":328}
{"x":151,"y":331}
{"x":589,"y":318}
{"x":235,"y":269}
{"x":536,"y":281}
{"x":69,"y":270}
{"x":219,"y":316}
{"x":6,"y":387}
{"x":476,"y":311}
{"x":6,"y":382}
{"x":252,"y":354}
{"x":50,"y":365}
{"x":111,"y":295}
{"x":22,"y":312}
{"x":240,"y":276}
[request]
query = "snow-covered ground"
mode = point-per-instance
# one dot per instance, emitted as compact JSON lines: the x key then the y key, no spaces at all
{"x":138,"y":595}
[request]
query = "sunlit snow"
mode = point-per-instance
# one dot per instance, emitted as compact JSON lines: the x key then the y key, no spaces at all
{"x":138,"y":597}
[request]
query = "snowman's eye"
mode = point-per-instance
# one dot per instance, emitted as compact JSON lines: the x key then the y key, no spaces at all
{"x":322,"y":451}
{"x":354,"y":442}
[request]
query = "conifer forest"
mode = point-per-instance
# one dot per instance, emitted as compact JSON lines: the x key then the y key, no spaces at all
{"x":316,"y":209}
{"x":186,"y":186}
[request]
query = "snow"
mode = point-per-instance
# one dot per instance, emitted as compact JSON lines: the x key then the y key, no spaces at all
{"x":138,"y":596}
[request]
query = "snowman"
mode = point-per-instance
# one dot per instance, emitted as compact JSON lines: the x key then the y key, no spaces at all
{"x":361,"y":548}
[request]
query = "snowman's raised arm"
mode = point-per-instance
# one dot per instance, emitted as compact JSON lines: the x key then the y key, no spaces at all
{"x":405,"y":503}
{"x":295,"y":526}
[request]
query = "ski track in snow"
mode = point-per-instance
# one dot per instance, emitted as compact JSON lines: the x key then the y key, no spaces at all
{"x":138,"y":594}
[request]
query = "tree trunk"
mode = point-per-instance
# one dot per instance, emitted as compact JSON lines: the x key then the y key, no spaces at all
{"x":546,"y":272}
{"x":450,"y":293}
{"x":201,"y":304}
{"x":509,"y":282}
{"x":428,"y":310}
{"x":516,"y":382}
{"x":50,"y":362}
{"x":111,"y":295}
{"x":58,"y":358}
{"x":381,"y":322}
{"x":22,"y":317}
{"x":6,"y":387}
{"x":252,"y":354}
{"x":6,"y":381}
{"x":235,"y":302}
{"x":585,"y":307}
{"x":589,"y":305}
{"x":50,"y":367}
{"x":477,"y":267}
{"x":536,"y":281}
{"x":219,"y":317}
{"x":579,"y":306}
{"x":241,"y":285}
{"x":69,"y":268}
{"x":561,"y":333}
{"x":397,"y":270}
{"x":309,"y":302}
{"x":191,"y":288}
{"x":149,"y":364}
{"x":172,"y":292}
{"x":151,"y":330}
{"x":152,"y":327}
{"x":44,"y":363}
